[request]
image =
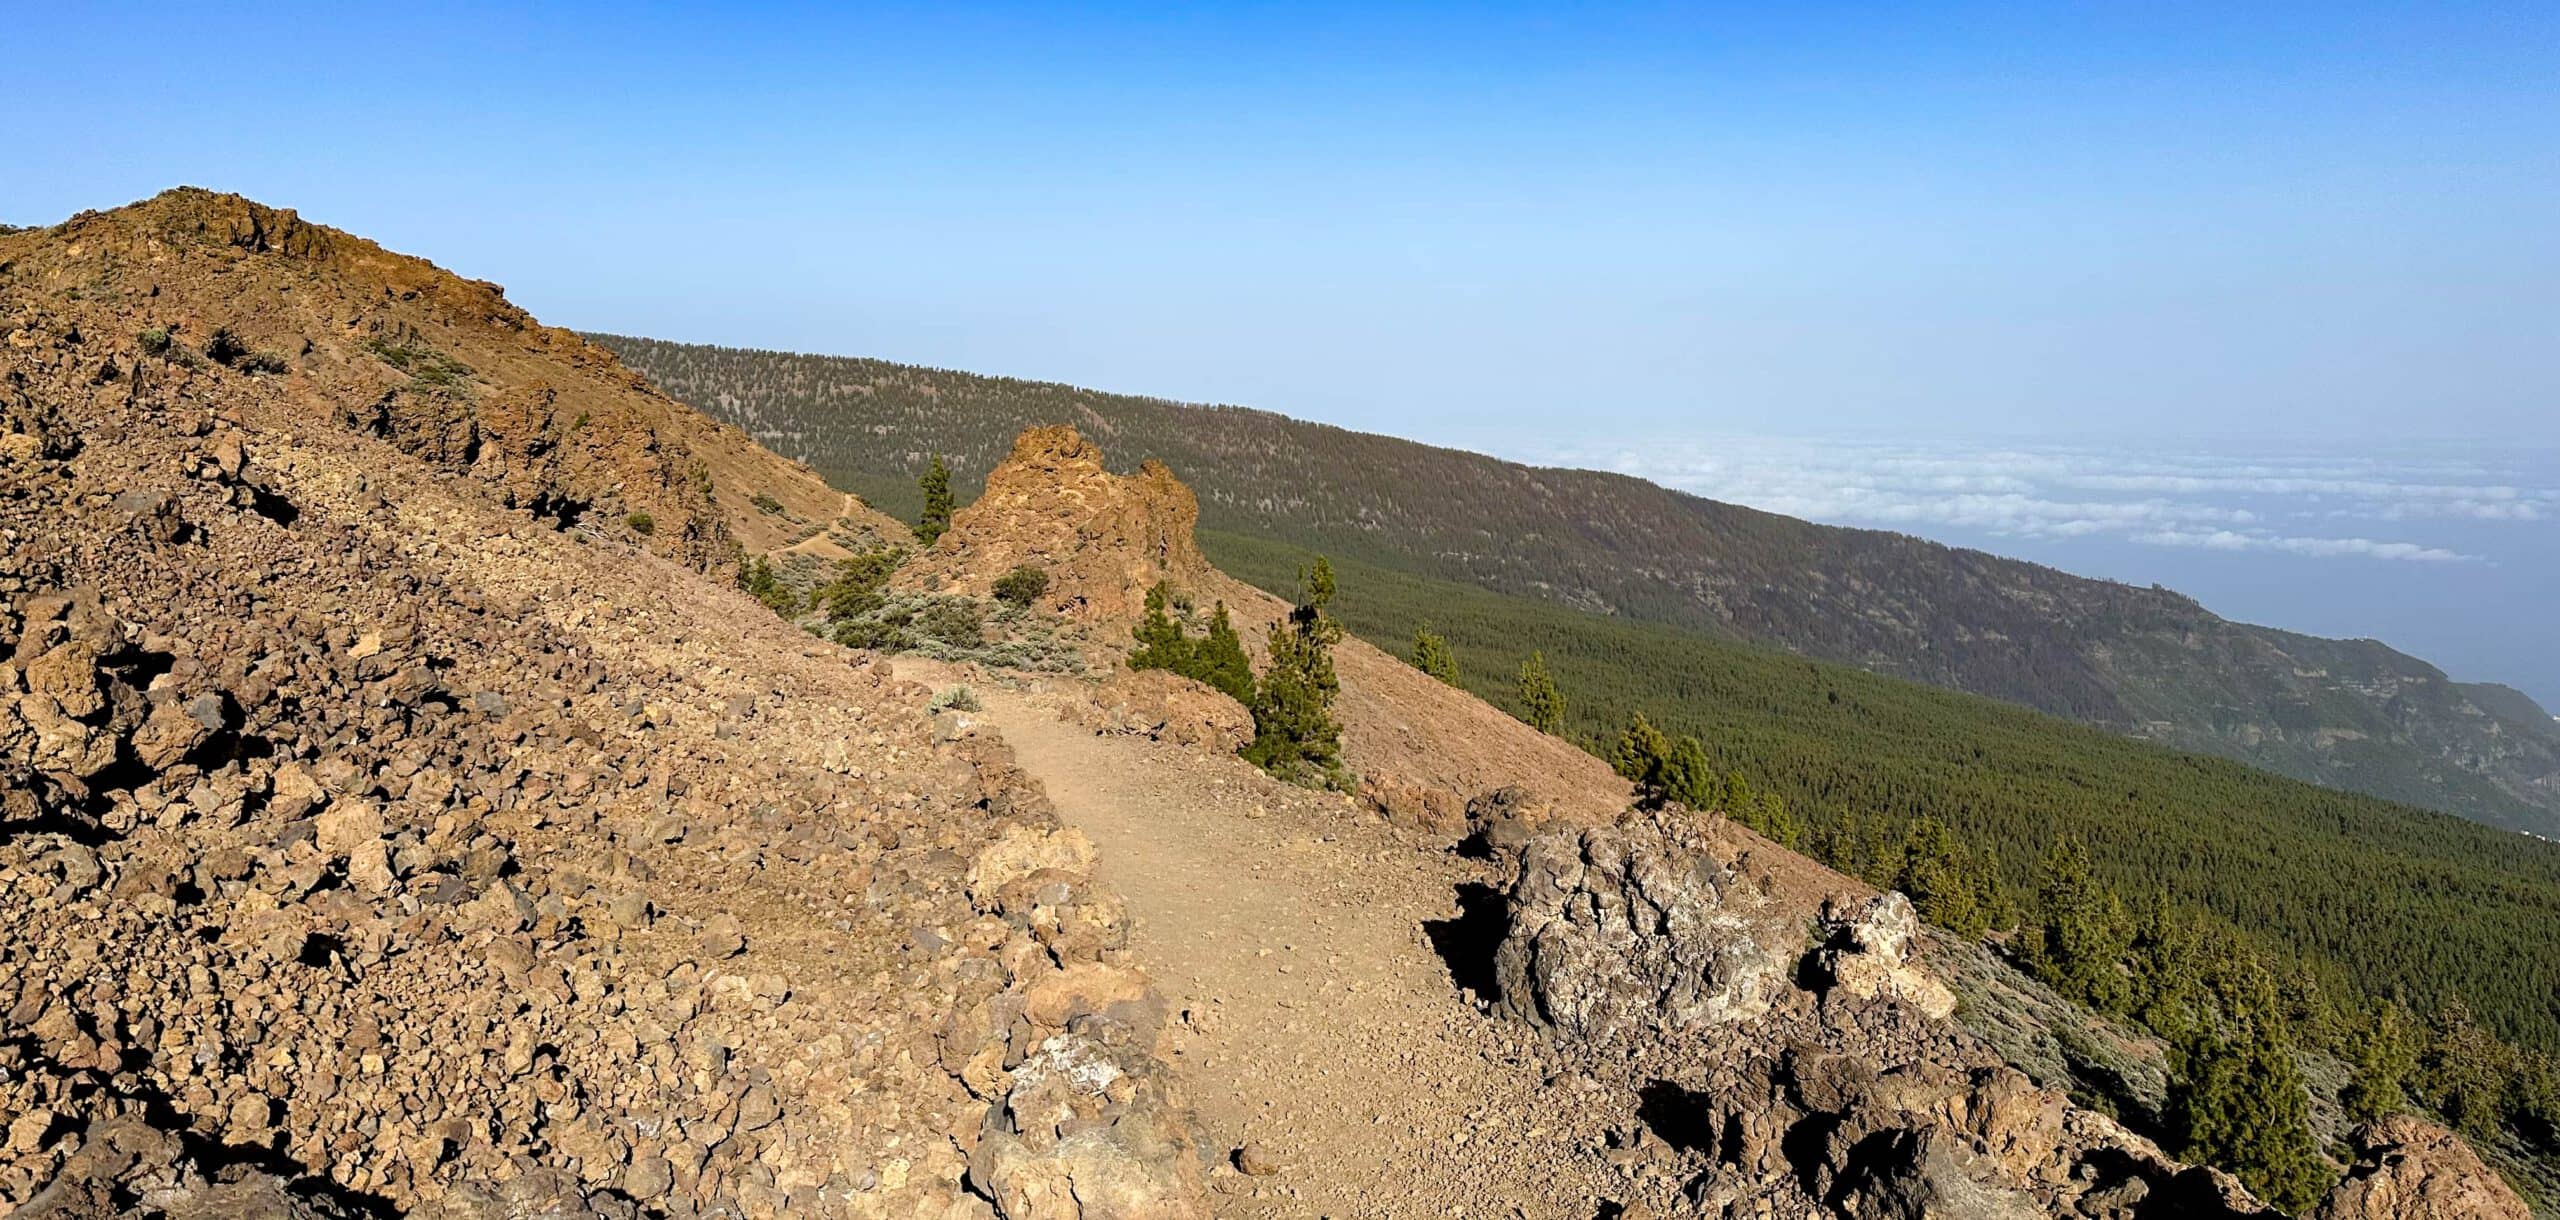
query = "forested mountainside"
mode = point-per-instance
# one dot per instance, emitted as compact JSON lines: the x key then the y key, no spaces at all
{"x":2366,"y":898}
{"x":2351,"y":714}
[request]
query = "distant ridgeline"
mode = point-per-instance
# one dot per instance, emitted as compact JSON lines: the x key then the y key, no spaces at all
{"x":2350,"y":714}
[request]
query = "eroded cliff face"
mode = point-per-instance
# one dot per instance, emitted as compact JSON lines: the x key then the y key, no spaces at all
{"x":376,"y":833}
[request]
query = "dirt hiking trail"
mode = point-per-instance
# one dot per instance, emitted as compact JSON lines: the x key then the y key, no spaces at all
{"x":1315,"y":1024}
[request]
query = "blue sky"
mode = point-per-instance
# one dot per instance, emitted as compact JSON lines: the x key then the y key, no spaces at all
{"x":2194,"y":218}
{"x":2192,"y":229}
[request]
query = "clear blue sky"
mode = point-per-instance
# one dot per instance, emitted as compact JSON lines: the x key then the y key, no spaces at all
{"x":1447,"y":221}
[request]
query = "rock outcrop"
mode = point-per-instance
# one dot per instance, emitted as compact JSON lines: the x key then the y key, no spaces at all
{"x":376,"y":837}
{"x":1815,"y":1079}
{"x":2410,"y":1169}
{"x":1103,"y":538}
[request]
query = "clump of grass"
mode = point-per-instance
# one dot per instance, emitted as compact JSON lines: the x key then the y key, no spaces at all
{"x":154,"y":340}
{"x":641,"y":523}
{"x":766,"y":504}
{"x":957,"y":699}
{"x":424,"y":364}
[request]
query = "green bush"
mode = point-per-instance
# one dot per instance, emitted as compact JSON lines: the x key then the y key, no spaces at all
{"x":957,"y":698}
{"x":955,"y":621}
{"x":766,"y":504}
{"x":757,"y":577}
{"x":1022,"y":586}
{"x":154,"y":340}
{"x":642,"y":524}
{"x":1216,"y":658}
{"x":427,"y":365}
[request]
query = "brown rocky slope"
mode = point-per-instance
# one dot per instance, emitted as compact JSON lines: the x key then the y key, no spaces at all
{"x":387,"y":824}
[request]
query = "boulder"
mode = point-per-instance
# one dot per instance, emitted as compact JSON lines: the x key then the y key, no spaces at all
{"x":1635,"y":928}
{"x":1867,"y":957}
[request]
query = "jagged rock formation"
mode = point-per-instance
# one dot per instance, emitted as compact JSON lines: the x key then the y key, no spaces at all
{"x":1823,"y":1077}
{"x":1420,"y":749}
{"x":381,"y":830}
{"x":2410,"y":1169}
{"x":1104,"y":539}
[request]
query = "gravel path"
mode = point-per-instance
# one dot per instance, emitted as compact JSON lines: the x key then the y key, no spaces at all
{"x":1316,"y":1026}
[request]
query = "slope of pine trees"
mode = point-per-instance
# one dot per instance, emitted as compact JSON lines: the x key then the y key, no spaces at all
{"x":2365,"y":898}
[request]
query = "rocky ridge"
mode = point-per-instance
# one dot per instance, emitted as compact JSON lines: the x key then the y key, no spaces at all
{"x":380,"y":835}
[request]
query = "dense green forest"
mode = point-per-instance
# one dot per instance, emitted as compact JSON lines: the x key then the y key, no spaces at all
{"x":2136,"y":660}
{"x":2371,"y":898}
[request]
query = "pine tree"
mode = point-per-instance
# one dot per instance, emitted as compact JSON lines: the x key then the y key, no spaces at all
{"x":1774,"y":819}
{"x":2466,"y":1072}
{"x":1160,"y":641}
{"x":2384,"y":1054}
{"x":1686,"y":776}
{"x":1638,"y":757}
{"x":1941,"y":880}
{"x":1541,"y":704}
{"x":2236,"y":1098}
{"x":2086,"y":935}
{"x":757,"y":578}
{"x":1432,"y":655}
{"x":859,"y":580}
{"x":936,"y":484}
{"x":1294,"y":733}
{"x":1220,"y":658}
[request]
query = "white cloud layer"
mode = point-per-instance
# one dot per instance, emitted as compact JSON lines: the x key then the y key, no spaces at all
{"x":2318,"y":506}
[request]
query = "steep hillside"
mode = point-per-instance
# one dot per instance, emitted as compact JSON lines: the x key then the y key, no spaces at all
{"x":389,"y":825}
{"x":2348,"y":713}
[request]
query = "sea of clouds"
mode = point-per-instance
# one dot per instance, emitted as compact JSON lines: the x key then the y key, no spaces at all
{"x":2419,"y":507}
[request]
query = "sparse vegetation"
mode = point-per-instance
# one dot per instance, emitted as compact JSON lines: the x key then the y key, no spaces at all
{"x":641,"y":523}
{"x":154,"y":340}
{"x":766,"y":504}
{"x":955,"y":698}
{"x":1022,"y":586}
{"x":424,"y":364}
